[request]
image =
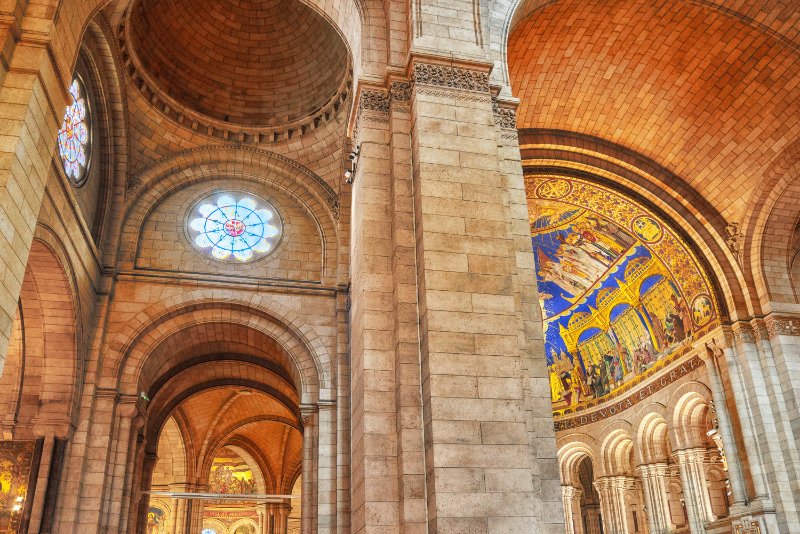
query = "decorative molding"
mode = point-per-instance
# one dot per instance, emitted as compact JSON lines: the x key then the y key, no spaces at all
{"x":735,"y":239}
{"x":782,"y":326}
{"x":742,"y":333}
{"x":747,"y":525}
{"x":666,"y":378}
{"x":330,"y":196}
{"x":450,"y":77}
{"x":462,"y":96}
{"x":760,"y":332}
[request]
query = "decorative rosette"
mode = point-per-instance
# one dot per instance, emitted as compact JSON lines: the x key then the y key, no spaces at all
{"x":241,"y":229}
{"x":73,"y":137}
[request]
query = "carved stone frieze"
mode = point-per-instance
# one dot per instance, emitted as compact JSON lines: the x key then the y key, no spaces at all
{"x":372,"y":100}
{"x":782,"y":326}
{"x":400,"y":91}
{"x":504,"y":117}
{"x":742,"y":334}
{"x":450,"y":77}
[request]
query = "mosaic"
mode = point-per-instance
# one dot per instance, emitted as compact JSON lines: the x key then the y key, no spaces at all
{"x":16,"y":460}
{"x":230,"y":474}
{"x":620,"y":292}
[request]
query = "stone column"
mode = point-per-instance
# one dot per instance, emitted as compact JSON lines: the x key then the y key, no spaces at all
{"x":281,"y":516}
{"x":482,"y":446}
{"x":309,"y":418}
{"x":731,"y":450}
{"x":654,"y":485}
{"x":326,"y":468}
{"x":263,"y":512}
{"x":612,"y":502}
{"x":126,"y":411}
{"x":695,"y":488}
{"x":571,"y":497}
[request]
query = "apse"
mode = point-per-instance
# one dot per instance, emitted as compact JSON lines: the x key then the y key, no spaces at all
{"x":621,"y":294}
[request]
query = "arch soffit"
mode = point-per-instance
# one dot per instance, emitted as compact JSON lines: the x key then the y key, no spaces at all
{"x":110,"y":84}
{"x":687,"y":399}
{"x":657,"y":189}
{"x":305,"y":376}
{"x":572,"y":449}
{"x":764,"y":227}
{"x":129,"y":349}
{"x":202,"y":164}
{"x":52,"y":250}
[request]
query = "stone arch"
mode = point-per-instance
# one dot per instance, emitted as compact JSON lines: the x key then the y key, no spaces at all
{"x":174,"y":450}
{"x":50,"y":369}
{"x":688,"y":421}
{"x":616,"y":453}
{"x":113,"y":123}
{"x":218,"y":526}
{"x":769,"y":232}
{"x":247,"y":453}
{"x":242,"y":522}
{"x":572,"y":450}
{"x":142,"y":333}
{"x":194,"y":166}
{"x":652,"y":438}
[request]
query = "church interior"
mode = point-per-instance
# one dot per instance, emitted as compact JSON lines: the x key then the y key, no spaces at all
{"x":399,"y":267}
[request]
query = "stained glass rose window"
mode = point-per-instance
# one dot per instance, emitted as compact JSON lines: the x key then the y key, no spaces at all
{"x":235,"y":227}
{"x":74,"y":136}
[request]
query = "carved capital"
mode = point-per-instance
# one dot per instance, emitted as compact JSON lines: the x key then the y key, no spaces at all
{"x":504,"y":117}
{"x":782,"y":326}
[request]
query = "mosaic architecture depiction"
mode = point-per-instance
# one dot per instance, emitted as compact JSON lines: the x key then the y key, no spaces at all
{"x":399,"y":267}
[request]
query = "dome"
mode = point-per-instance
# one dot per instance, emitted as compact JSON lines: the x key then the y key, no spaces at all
{"x":254,"y":63}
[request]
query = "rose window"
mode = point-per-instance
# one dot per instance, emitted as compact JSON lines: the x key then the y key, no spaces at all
{"x":73,"y":137}
{"x":231,"y":228}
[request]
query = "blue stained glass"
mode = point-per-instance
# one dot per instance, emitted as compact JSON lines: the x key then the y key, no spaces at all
{"x":233,"y":228}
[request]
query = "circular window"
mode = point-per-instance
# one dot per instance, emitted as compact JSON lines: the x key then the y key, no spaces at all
{"x":74,"y":137}
{"x":235,"y":227}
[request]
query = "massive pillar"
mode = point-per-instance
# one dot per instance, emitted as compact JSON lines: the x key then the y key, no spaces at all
{"x":449,"y":382}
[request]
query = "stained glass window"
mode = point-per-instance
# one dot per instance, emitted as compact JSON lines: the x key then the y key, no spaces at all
{"x":74,"y":136}
{"x":228,"y":227}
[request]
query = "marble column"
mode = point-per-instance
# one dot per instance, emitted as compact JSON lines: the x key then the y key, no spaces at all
{"x":695,"y":488}
{"x":612,"y":502}
{"x":735,"y":473}
{"x":571,"y":497}
{"x":654,"y":485}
